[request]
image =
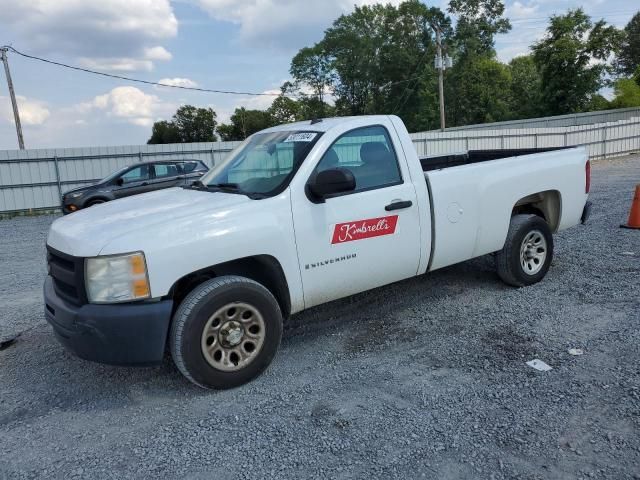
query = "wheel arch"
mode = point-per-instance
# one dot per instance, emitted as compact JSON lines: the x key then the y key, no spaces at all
{"x":264,"y":269}
{"x":546,"y":204}
{"x":90,"y":200}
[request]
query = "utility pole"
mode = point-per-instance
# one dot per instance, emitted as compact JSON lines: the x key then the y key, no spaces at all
{"x":12,"y":94}
{"x":440,"y":66}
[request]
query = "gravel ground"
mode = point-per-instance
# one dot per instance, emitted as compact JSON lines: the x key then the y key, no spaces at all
{"x":424,"y":378}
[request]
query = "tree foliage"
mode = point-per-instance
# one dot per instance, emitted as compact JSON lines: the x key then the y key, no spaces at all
{"x":627,"y":93}
{"x":244,"y":123}
{"x":188,"y":124}
{"x":379,"y":60}
{"x":572,"y":61}
{"x":525,"y":88}
{"x":628,"y":60}
{"x":479,"y":92}
{"x":479,"y":21}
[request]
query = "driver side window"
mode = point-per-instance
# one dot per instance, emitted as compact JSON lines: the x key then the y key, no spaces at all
{"x":137,"y":174}
{"x":368,"y":153}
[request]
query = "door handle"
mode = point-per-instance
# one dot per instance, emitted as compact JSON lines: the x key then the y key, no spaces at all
{"x":398,"y":205}
{"x":144,"y":184}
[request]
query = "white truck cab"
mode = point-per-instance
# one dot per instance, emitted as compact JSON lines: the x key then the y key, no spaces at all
{"x":296,"y":216}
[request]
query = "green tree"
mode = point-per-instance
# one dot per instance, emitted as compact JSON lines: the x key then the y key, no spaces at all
{"x":477,"y":87}
{"x":379,"y":60}
{"x":244,"y":123}
{"x":628,"y":59}
{"x":312,"y":67}
{"x":284,"y":110}
{"x":572,"y":61}
{"x":479,"y":21}
{"x":627,"y":93}
{"x":164,"y":132}
{"x":482,"y":92}
{"x":525,"y":87}
{"x":188,"y":124}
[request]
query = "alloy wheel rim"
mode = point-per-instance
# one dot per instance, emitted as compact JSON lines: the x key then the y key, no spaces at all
{"x":533,"y":252}
{"x":233,"y":337}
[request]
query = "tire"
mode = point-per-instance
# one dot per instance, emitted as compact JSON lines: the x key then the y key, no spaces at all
{"x":219,"y":307}
{"x":95,"y":202}
{"x":528,"y":236}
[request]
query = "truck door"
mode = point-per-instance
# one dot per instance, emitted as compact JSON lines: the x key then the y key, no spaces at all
{"x":365,"y":238}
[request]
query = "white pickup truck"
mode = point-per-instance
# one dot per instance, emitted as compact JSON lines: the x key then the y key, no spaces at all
{"x":296,"y":216}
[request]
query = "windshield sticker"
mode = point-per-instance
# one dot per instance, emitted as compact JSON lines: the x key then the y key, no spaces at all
{"x":300,"y":137}
{"x":361,"y":229}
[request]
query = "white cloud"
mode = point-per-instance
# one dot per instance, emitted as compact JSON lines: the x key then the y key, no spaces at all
{"x":32,"y":112}
{"x":117,"y":64}
{"x":285,"y":23}
{"x":118,"y":34}
{"x":157,"y":53}
{"x":130,"y":104}
{"x":178,"y":82}
{"x":128,"y":64}
{"x":518,"y":10}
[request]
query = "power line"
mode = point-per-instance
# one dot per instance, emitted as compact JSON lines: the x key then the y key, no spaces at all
{"x":137,"y":80}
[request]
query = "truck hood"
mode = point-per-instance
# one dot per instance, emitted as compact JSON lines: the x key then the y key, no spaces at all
{"x":86,"y":232}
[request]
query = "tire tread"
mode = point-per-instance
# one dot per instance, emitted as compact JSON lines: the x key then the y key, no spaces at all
{"x":504,"y":256}
{"x":181,"y":316}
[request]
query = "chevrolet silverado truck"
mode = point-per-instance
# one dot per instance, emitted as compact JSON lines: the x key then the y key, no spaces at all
{"x":296,"y":216}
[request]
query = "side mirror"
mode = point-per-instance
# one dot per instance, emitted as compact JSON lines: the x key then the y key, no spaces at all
{"x":120,"y":182}
{"x":331,"y":181}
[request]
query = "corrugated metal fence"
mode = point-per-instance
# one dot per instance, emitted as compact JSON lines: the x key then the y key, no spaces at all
{"x":602,"y":139}
{"x":33,"y":180}
{"x":571,"y":120}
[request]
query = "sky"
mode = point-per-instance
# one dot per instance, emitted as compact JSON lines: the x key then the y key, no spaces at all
{"x":240,"y":45}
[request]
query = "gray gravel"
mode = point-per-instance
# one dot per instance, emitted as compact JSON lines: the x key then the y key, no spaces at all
{"x":424,"y":378}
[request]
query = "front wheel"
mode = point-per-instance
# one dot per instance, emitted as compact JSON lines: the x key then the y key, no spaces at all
{"x":93,"y":203}
{"x":225,"y":332}
{"x":527,"y":252}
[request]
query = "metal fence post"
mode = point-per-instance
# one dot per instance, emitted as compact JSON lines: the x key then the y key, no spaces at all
{"x":535,"y":140}
{"x":140,"y":156}
{"x":604,"y":142}
{"x":213,"y":158}
{"x":55,"y":163}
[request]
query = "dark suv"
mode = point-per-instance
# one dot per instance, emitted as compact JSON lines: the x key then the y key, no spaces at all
{"x":132,"y":180}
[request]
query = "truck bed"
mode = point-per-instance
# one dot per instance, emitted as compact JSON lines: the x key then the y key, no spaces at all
{"x":438,"y":162}
{"x":472,"y":203}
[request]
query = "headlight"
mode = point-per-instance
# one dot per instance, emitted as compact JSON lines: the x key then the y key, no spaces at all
{"x":117,"y":278}
{"x":74,"y":195}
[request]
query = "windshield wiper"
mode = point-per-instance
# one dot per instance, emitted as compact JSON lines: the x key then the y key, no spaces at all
{"x":197,"y":185}
{"x":224,"y":187}
{"x":232,"y":186}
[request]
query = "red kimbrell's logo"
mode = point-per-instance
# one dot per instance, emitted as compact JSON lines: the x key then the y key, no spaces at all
{"x":360,"y":229}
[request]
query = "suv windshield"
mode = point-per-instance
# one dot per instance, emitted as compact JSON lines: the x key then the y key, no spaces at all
{"x":113,"y":175}
{"x":263,"y":164}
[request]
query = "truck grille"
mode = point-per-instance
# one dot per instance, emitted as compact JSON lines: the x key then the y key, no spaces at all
{"x":67,"y":273}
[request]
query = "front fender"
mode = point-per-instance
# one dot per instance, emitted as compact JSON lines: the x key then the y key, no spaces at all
{"x":192,"y":243}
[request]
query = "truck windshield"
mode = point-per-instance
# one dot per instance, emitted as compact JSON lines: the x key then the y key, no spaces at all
{"x":263,"y":164}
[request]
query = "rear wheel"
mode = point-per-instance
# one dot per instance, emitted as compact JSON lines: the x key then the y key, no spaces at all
{"x":527,"y":252}
{"x":225,"y":332}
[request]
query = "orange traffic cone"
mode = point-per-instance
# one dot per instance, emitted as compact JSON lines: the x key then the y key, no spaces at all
{"x":634,"y":214}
